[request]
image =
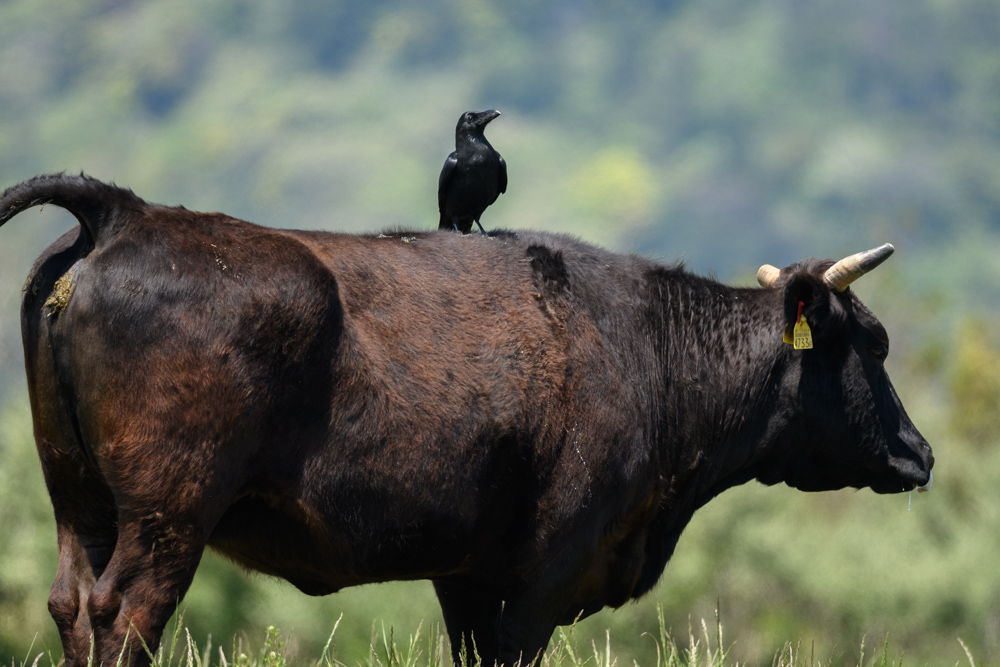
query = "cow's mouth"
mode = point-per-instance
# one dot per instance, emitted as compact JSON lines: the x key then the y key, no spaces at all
{"x":910,"y":476}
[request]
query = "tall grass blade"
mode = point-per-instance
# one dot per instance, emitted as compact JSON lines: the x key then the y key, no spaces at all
{"x":323,"y":659}
{"x":968,"y":653}
{"x":193,"y":658}
{"x":127,"y":648}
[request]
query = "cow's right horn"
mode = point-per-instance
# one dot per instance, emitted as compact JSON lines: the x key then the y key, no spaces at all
{"x":849,"y":269}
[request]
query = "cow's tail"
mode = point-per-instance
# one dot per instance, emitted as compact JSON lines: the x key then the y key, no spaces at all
{"x":96,"y":205}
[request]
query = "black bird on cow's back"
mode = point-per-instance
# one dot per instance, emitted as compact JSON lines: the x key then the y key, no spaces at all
{"x":472,"y":177}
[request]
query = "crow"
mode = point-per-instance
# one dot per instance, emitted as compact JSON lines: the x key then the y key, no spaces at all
{"x":472,"y":177}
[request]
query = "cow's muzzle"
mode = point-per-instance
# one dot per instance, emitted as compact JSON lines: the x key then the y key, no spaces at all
{"x":914,"y":473}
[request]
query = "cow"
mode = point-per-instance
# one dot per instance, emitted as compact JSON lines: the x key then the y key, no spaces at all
{"x":331,"y":410}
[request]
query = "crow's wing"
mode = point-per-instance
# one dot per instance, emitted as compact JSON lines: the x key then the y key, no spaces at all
{"x":444,"y":180}
{"x":502,"y":176}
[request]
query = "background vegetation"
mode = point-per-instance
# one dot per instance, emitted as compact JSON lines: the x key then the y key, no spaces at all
{"x":727,"y":133}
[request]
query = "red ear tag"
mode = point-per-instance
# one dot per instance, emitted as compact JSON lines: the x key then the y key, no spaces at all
{"x":801,"y":335}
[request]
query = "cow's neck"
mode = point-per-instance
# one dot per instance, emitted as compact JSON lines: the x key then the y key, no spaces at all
{"x":723,"y":360}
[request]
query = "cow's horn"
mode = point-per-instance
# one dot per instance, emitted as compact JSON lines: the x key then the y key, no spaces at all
{"x":767,"y":275}
{"x":849,"y":269}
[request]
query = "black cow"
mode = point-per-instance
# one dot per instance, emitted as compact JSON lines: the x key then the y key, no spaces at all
{"x":331,"y":410}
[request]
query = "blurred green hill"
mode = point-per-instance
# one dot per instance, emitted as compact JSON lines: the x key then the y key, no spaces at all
{"x":723,"y":133}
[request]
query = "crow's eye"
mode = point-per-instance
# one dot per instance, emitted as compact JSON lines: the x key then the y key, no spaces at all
{"x":880,"y":352}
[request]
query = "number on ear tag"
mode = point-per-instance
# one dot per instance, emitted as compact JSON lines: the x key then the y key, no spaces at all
{"x":802,"y":335}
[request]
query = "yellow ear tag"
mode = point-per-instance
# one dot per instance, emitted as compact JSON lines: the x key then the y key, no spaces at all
{"x":803,"y":338}
{"x":787,"y":336}
{"x":802,"y":334}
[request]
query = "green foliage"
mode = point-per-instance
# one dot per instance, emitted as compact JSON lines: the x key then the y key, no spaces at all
{"x":27,"y":554}
{"x":976,"y":384}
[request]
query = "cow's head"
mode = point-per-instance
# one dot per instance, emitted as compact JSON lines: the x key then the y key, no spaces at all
{"x":841,"y":423}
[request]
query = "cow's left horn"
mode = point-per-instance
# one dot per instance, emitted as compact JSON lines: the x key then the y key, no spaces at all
{"x":849,"y":269}
{"x":767,"y":275}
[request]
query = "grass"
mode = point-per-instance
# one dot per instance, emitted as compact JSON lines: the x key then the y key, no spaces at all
{"x":699,"y":648}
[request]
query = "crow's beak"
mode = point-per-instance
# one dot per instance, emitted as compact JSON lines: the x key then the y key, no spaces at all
{"x":486,"y":116}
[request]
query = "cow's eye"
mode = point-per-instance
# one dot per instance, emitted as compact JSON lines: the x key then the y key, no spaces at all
{"x":880,"y":352}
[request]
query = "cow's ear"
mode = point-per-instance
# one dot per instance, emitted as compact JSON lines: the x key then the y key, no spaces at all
{"x":820,"y":307}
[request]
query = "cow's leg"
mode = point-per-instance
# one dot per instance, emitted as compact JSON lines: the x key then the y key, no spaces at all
{"x":120,"y":574}
{"x":543,"y":600}
{"x":168,"y":501}
{"x":86,"y":519}
{"x":528,"y":622}
{"x":114,"y":585}
{"x":151,"y":569}
{"x":472,"y":616}
{"x":82,"y":558}
{"x":525,"y":637}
